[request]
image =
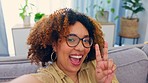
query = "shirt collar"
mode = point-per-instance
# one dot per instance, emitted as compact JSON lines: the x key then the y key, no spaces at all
{"x":59,"y":71}
{"x":62,"y":74}
{"x":84,"y":67}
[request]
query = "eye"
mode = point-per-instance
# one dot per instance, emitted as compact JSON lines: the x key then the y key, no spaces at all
{"x":70,"y":39}
{"x":86,"y":40}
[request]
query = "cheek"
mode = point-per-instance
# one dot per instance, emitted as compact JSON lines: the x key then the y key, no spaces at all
{"x":87,"y":50}
{"x":63,"y":48}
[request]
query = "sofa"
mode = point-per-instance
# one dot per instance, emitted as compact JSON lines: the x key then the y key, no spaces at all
{"x":131,"y":61}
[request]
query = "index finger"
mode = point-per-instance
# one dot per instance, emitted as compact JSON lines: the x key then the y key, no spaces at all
{"x":105,"y":51}
{"x":98,"y":54}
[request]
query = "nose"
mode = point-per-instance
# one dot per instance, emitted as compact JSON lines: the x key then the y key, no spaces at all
{"x":80,"y":46}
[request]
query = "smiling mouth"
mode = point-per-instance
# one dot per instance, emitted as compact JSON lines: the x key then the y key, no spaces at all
{"x":75,"y":60}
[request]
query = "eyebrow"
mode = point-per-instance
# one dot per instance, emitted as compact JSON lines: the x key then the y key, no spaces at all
{"x":72,"y":34}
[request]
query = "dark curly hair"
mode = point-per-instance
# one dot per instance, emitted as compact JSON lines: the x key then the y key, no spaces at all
{"x":50,"y":28}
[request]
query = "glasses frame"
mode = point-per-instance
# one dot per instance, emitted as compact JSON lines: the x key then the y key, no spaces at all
{"x":80,"y":39}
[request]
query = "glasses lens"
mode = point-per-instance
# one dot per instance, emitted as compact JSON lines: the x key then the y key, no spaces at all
{"x":72,"y":40}
{"x":87,"y":42}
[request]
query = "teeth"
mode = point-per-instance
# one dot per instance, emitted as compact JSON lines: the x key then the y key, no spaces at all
{"x":76,"y":57}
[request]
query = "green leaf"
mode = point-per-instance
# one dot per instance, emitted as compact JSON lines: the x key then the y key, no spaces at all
{"x":128,"y":1}
{"x":108,"y":1}
{"x":32,"y":4}
{"x":94,"y":6}
{"x":116,"y":17}
{"x":127,"y":7}
{"x":24,"y":9}
{"x":134,"y":6}
{"x":86,"y":9}
{"x":22,"y":15}
{"x":112,"y":10}
{"x":139,"y":9}
{"x":38,"y":16}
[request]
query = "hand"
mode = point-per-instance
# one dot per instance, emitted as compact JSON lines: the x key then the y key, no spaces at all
{"x":105,"y":68}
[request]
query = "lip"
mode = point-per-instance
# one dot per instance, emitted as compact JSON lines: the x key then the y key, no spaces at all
{"x":76,"y":59}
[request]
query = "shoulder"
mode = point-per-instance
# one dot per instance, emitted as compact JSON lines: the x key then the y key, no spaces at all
{"x":26,"y":79}
{"x":45,"y":75}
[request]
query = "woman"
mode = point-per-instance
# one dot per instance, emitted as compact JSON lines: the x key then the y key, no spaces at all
{"x":74,"y":44}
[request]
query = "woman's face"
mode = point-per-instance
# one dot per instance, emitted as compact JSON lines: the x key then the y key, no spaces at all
{"x":70,"y":59}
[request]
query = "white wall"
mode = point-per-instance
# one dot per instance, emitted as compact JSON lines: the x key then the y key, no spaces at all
{"x":11,"y":14}
{"x":143,"y":23}
{"x":146,"y":38}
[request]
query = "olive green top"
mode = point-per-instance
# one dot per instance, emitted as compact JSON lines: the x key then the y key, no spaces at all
{"x":52,"y":74}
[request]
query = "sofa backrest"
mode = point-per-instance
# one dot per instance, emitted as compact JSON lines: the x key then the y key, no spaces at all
{"x":12,"y":67}
{"x":132,"y":63}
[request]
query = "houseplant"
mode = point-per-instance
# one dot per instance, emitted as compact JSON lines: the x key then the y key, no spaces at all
{"x":129,"y":24}
{"x":102,"y":13}
{"x":38,"y":16}
{"x":26,"y":12}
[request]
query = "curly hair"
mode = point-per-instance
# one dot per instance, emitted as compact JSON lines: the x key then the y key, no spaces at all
{"x":50,"y":28}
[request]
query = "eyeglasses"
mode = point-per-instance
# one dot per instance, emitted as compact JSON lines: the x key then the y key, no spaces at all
{"x":73,"y":40}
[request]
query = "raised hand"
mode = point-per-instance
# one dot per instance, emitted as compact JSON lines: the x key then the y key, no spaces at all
{"x":105,"y":68}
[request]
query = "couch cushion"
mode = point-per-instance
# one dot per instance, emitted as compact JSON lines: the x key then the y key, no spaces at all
{"x":132,"y":65}
{"x":145,"y":49}
{"x":14,"y":68}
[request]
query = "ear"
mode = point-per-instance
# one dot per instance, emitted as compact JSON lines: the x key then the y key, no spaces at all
{"x":54,"y":46}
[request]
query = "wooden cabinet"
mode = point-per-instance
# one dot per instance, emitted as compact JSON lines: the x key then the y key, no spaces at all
{"x":109,"y":30}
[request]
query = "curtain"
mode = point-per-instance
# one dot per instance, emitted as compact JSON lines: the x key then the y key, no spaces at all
{"x":3,"y":37}
{"x":119,"y":11}
{"x":82,"y":6}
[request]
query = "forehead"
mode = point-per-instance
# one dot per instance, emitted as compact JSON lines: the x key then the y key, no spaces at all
{"x":79,"y":29}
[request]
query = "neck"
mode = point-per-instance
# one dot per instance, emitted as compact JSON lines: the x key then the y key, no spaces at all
{"x":75,"y":78}
{"x":72,"y":75}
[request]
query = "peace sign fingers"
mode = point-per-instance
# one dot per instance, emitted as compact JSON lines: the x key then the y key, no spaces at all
{"x":98,"y":54}
{"x":105,"y":51}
